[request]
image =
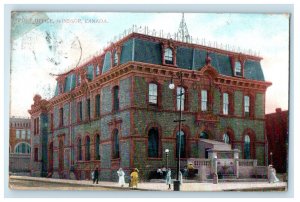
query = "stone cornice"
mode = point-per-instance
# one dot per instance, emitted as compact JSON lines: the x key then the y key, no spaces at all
{"x":159,"y":71}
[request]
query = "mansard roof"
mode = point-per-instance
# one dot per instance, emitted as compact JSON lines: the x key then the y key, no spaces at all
{"x":137,"y":47}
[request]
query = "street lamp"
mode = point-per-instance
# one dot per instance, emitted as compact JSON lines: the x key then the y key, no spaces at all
{"x":167,"y":155}
{"x":172,"y":86}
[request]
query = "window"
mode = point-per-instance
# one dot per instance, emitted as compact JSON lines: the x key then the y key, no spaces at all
{"x":36,"y":154}
{"x":247,"y":147}
{"x":97,"y":148}
{"x":116,"y":98}
{"x":28,"y":134}
{"x":79,"y":150}
{"x":180,"y":98}
{"x":61,"y":116}
{"x":247,"y":105}
{"x":88,"y":109}
{"x":182,"y":145}
{"x":116,"y":151}
{"x":97,"y":70}
{"x":238,"y":69}
{"x":153,"y":142}
{"x":87,"y":148}
{"x":203,"y":135}
{"x":18,"y":134}
{"x":116,"y":58}
{"x":97,"y":106}
{"x":23,"y":134}
{"x":225,"y":103}
{"x":168,"y":56}
{"x":79,"y":108}
{"x":23,"y":148}
{"x":226,"y":138}
{"x":152,"y":93}
{"x":203,"y":100}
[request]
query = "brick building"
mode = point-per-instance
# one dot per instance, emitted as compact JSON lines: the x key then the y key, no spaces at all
{"x":277,"y":134}
{"x":19,"y":145}
{"x":117,"y":110}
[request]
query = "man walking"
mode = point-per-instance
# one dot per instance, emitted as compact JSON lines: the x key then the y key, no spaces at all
{"x":96,"y":174}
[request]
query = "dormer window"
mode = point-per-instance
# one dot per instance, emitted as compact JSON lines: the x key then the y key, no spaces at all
{"x":168,"y":57}
{"x":97,"y":70}
{"x":116,"y":58}
{"x":238,"y":69}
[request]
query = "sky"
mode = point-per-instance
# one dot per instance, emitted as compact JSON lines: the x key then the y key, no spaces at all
{"x":52,"y":43}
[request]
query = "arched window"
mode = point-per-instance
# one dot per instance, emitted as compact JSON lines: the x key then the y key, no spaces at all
{"x":180,"y":91}
{"x":182,"y":144}
{"x":203,"y":135}
{"x":97,"y":147}
{"x":226,"y":138}
{"x":116,"y":98}
{"x":116,"y":149}
{"x":153,"y":142}
{"x":23,"y":148}
{"x":79,"y":150}
{"x":247,"y":147}
{"x":87,"y":148}
{"x":168,"y":56}
{"x":152,"y":93}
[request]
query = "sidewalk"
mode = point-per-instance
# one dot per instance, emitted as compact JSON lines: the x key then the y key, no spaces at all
{"x":160,"y":186}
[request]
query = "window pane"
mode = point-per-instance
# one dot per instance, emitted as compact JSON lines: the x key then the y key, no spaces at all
{"x":17,"y":134}
{"x":168,"y":56}
{"x":180,"y":91}
{"x":238,"y":68}
{"x":204,"y":100}
{"x":246,"y":105}
{"x":23,"y":135}
{"x":153,"y":143}
{"x":116,"y":98}
{"x":115,"y":58}
{"x":153,"y":93}
{"x":247,"y":147}
{"x":225,"y":103}
{"x":97,"y":105}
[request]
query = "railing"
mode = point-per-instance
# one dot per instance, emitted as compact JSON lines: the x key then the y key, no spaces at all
{"x":247,"y":162}
{"x":197,"y":163}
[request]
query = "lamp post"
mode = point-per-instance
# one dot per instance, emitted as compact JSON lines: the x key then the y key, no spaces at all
{"x":172,"y":86}
{"x":167,"y":155}
{"x":271,"y":157}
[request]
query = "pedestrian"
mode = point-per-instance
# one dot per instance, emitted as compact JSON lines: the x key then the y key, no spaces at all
{"x":168,"y":178}
{"x":96,"y":175}
{"x":134,"y":178}
{"x":121,"y":175}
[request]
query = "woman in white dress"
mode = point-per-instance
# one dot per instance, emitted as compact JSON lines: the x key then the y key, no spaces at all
{"x":168,"y":178}
{"x":121,"y":175}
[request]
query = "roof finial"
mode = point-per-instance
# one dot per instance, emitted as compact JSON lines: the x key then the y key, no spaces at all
{"x":183,"y":32}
